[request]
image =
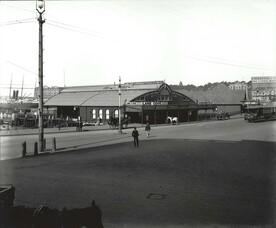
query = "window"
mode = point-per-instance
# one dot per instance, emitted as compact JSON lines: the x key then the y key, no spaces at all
{"x":116,"y":113}
{"x":94,"y":113}
{"x":101,"y":113}
{"x":107,"y":114}
{"x":142,"y":98}
{"x":165,"y":97}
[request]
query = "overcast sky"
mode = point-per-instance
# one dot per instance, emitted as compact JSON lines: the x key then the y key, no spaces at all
{"x":95,"y":42}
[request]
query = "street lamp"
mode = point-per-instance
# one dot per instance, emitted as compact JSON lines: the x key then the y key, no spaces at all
{"x":40,"y":8}
{"x":120,"y":124}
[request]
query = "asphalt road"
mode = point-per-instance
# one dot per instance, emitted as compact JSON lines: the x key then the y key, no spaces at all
{"x":235,"y":129}
{"x":212,"y":174}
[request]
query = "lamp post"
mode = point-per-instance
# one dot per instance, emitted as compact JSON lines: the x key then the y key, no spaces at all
{"x":40,"y":8}
{"x":120,"y":124}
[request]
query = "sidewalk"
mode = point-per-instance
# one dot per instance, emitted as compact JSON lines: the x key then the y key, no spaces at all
{"x":33,"y":131}
{"x":27,"y":131}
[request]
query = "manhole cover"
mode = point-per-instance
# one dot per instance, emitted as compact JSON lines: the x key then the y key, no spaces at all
{"x":156,"y":196}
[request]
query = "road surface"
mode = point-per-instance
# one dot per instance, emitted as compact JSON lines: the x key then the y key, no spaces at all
{"x":212,"y":174}
{"x":236,"y":129}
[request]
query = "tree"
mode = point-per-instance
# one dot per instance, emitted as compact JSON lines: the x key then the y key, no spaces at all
{"x":180,"y":83}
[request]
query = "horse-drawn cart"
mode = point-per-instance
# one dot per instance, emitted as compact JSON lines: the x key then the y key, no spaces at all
{"x":114,"y":122}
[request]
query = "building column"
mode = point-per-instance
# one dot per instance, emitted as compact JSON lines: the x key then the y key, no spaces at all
{"x":142,"y":117}
{"x":86,"y":114}
{"x":154,"y":117}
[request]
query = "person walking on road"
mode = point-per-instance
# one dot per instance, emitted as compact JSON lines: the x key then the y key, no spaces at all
{"x":147,"y":129}
{"x":135,"y":135}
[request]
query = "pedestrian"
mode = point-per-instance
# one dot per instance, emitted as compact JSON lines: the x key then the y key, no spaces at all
{"x":135,"y":135}
{"x":147,"y":129}
{"x":81,"y":124}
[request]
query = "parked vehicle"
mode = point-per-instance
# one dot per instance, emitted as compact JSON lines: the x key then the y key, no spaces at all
{"x":223,"y":116}
{"x":261,"y":113}
{"x":246,"y":116}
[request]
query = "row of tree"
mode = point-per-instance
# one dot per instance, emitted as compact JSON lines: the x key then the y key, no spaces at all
{"x":191,"y":87}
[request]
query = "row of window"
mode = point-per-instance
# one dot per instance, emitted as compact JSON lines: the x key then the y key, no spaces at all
{"x":160,"y":98}
{"x":235,"y":87}
{"x":164,"y":96}
{"x":263,"y":93}
{"x":99,"y":114}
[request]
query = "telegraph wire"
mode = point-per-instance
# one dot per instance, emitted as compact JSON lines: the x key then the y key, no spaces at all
{"x":196,"y":20}
{"x":70,"y":29}
{"x":22,"y":67}
{"x":205,"y":58}
{"x":167,"y":10}
{"x":72,"y":26}
{"x":88,"y":32}
{"x":27,"y":20}
{"x":225,"y":63}
{"x":19,"y":8}
{"x":231,"y":61}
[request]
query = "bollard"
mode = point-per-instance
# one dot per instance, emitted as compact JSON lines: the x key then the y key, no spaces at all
{"x":54,"y":144}
{"x":35,"y":149}
{"x":44,"y":144}
{"x":24,"y":149}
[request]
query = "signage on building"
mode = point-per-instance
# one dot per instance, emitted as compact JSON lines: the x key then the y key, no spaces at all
{"x":148,"y":103}
{"x":264,"y":93}
{"x":268,"y":79}
{"x":250,"y":102}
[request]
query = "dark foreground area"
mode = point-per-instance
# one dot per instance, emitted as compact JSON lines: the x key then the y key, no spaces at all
{"x":163,"y":183}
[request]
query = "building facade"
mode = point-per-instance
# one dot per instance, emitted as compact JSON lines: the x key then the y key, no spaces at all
{"x":238,"y":86}
{"x":48,"y":92}
{"x":142,"y":102}
{"x":264,"y":89}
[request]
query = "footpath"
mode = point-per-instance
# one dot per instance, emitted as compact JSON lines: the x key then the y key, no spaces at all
{"x":14,"y":131}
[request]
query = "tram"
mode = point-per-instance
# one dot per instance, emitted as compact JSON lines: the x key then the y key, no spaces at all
{"x":260,"y":113}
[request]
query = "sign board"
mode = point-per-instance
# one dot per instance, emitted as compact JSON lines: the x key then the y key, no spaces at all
{"x":148,"y":103}
{"x":267,"y":79}
{"x":250,"y":102}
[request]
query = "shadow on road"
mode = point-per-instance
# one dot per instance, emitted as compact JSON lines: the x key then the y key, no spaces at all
{"x":168,"y":182}
{"x":93,"y":143}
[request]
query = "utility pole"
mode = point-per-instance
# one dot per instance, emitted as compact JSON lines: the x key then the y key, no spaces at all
{"x":120,"y":124}
{"x":22,"y":88}
{"x":40,"y":8}
{"x":64,"y":78}
{"x":10,"y":88}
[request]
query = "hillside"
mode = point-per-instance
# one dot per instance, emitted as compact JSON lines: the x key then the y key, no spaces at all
{"x":219,"y":94}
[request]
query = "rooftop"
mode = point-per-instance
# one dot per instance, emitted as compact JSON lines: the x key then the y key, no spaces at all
{"x":151,"y":85}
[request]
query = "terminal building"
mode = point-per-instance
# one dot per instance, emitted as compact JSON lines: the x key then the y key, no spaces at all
{"x":142,"y":102}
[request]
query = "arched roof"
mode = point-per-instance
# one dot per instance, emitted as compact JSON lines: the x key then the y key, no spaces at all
{"x":106,"y":95}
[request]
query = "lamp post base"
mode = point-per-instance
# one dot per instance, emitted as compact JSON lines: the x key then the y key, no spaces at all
{"x":120,"y":129}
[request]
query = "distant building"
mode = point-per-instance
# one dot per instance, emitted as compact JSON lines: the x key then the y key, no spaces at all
{"x":238,"y":86}
{"x":224,"y":98}
{"x":264,"y":89}
{"x":48,"y":92}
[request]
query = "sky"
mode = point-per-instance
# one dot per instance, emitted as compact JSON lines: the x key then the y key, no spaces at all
{"x":95,"y":42}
